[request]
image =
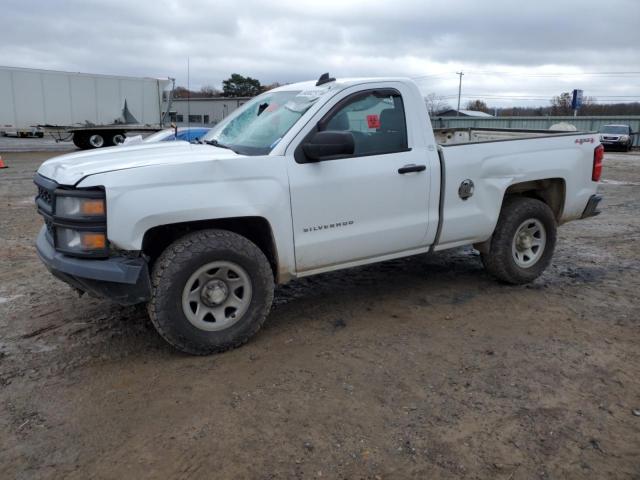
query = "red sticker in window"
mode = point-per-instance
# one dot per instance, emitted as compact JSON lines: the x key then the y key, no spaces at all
{"x":373,"y":121}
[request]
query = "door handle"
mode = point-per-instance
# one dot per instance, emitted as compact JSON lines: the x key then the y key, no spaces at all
{"x":411,"y":168}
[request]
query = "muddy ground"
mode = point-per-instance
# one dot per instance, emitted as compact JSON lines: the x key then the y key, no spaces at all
{"x":417,"y":368}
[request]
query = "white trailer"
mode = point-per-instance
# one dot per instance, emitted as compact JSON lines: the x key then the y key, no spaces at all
{"x":96,"y":110}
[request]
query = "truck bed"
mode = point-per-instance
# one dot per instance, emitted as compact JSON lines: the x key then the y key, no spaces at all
{"x":493,"y":160}
{"x":457,"y":136}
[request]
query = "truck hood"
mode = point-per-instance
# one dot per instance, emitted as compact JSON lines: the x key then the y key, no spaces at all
{"x":71,"y":168}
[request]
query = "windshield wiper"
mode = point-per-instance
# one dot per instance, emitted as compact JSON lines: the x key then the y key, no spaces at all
{"x":216,"y":143}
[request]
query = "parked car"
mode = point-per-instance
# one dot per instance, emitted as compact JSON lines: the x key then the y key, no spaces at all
{"x":187,"y":134}
{"x":303,"y":179}
{"x":620,"y":136}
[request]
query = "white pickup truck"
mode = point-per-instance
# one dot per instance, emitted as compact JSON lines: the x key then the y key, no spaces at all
{"x":303,"y":179}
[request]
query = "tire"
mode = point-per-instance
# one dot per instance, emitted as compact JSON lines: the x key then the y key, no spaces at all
{"x":80,"y":141}
{"x":116,"y":138}
{"x":96,"y":140}
{"x":523,"y":222}
{"x":178,"y":302}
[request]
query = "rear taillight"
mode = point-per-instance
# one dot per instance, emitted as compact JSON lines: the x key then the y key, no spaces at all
{"x":598,"y":156}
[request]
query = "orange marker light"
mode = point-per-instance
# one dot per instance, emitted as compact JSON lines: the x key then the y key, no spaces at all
{"x":93,"y":241}
{"x":92,"y":207}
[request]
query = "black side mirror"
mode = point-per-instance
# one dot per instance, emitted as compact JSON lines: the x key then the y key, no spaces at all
{"x":327,"y":144}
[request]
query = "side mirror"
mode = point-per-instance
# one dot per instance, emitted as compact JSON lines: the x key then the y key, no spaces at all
{"x":323,"y":145}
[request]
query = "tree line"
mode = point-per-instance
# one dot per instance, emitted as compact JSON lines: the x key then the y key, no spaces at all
{"x":559,"y":105}
{"x":235,"y":86}
{"x":240,"y":86}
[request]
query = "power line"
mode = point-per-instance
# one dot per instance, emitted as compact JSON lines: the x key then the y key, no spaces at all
{"x":421,"y":77}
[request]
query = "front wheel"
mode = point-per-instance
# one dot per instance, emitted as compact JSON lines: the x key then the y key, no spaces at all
{"x":212,"y":291}
{"x":523,"y":242}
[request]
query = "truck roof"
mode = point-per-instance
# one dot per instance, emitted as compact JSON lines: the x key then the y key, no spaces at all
{"x":340,"y":82}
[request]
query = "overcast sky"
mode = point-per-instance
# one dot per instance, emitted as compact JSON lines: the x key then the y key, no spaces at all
{"x":512,"y":52}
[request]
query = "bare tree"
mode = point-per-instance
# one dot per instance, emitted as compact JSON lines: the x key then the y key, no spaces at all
{"x":266,"y":88}
{"x":477,"y":106}
{"x":561,"y":105}
{"x":182,"y":92}
{"x":209,"y":91}
{"x":435,"y":104}
{"x":589,"y":106}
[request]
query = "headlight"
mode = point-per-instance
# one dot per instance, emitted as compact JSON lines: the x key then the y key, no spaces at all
{"x":80,"y":223}
{"x":624,"y":138}
{"x":79,"y":207}
{"x":81,"y":241}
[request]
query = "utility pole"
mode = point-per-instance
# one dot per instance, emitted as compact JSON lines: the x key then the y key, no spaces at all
{"x":459,"y":92}
{"x":188,"y":93}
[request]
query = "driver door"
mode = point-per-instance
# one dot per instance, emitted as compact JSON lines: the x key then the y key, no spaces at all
{"x":364,"y":205}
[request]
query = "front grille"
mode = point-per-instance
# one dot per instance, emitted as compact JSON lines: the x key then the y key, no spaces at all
{"x":44,"y":202}
{"x":45,"y":196}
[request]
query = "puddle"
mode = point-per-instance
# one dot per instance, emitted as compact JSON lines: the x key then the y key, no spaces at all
{"x":8,"y":299}
{"x":585,"y":274}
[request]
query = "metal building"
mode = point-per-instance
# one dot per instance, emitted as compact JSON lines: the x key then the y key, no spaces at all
{"x":202,"y":111}
{"x":583,"y":124}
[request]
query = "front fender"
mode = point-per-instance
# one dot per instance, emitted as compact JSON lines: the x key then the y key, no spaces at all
{"x":143,"y":198}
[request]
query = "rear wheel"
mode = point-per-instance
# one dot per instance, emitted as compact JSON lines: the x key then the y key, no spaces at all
{"x":96,"y":140}
{"x":212,"y":291}
{"x":523,"y":242}
{"x":118,"y":138}
{"x":115,"y":138}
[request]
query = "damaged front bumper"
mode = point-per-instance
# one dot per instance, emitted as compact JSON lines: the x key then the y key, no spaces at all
{"x":123,"y":280}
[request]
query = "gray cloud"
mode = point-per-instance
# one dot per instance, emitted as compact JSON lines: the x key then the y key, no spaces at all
{"x":293,"y":40}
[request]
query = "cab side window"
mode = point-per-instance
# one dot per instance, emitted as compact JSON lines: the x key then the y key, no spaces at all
{"x":376,"y":119}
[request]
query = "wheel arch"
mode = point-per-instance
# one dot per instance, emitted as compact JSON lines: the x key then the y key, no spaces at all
{"x":551,"y":191}
{"x":256,"y":229}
